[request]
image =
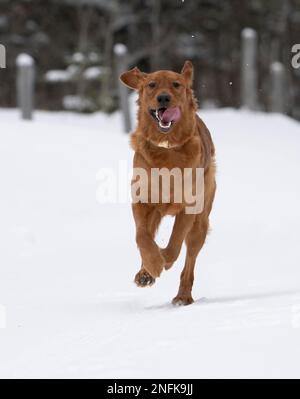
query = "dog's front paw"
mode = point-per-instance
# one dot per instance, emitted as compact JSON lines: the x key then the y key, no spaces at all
{"x":143,"y":279}
{"x":154,"y":264}
{"x":182,"y":300}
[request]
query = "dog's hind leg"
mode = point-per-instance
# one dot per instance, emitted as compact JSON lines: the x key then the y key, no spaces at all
{"x":194,"y":242}
{"x":182,"y":226}
{"x":143,"y":278}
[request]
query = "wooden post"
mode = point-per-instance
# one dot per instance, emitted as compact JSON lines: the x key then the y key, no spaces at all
{"x":120,"y":51}
{"x":25,"y":85}
{"x":2,"y":56}
{"x":249,"y":69}
{"x":278,"y":88}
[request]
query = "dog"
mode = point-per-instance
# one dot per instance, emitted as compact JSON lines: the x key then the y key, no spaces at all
{"x":169,"y":134}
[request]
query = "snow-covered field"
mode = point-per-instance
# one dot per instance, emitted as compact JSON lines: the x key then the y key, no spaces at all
{"x":67,"y":263}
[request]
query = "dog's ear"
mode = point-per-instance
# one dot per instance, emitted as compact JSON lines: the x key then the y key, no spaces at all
{"x":188,"y":72}
{"x":133,"y":78}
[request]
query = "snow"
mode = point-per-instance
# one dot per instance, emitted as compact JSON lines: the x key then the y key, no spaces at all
{"x":61,"y":75}
{"x":77,"y":103}
{"x":249,"y":33}
{"x":57,"y":75}
{"x":93,"y":73}
{"x":71,"y":73}
{"x":277,"y":67}
{"x":78,"y":57}
{"x":120,"y":49}
{"x":2,"y":316}
{"x":68,"y":262}
{"x":24,"y":60}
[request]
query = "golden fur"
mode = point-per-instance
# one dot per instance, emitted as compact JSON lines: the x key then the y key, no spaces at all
{"x":187,"y":145}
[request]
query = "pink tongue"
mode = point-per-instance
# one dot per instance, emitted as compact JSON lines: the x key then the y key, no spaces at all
{"x":170,"y":115}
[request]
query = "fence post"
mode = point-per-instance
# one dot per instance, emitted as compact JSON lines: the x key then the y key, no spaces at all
{"x":25,"y":85}
{"x":249,"y":69}
{"x":120,"y":51}
{"x":2,"y":56}
{"x":278,"y":88}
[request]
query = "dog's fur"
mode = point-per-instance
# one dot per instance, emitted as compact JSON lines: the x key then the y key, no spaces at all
{"x":189,"y":145}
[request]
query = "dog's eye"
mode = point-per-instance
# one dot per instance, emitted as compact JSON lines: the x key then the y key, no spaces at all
{"x":152,"y":85}
{"x":176,"y":84}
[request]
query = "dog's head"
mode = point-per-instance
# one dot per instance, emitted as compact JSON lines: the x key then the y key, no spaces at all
{"x":166,"y":99}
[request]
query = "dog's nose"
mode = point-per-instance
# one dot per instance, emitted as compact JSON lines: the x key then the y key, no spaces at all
{"x":163,"y":99}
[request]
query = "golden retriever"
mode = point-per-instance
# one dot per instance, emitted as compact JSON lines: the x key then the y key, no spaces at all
{"x":169,"y":135}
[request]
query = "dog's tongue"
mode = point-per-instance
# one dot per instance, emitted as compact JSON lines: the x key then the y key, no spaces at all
{"x":170,"y":115}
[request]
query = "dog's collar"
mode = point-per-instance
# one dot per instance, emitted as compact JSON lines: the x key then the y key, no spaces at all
{"x":164,"y":144}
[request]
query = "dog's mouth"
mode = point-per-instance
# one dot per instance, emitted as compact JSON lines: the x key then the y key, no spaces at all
{"x":165,"y":117}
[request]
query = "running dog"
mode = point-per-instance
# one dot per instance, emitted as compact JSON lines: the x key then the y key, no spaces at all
{"x":169,"y":135}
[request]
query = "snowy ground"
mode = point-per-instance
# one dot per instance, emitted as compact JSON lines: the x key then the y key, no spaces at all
{"x":67,"y":263}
